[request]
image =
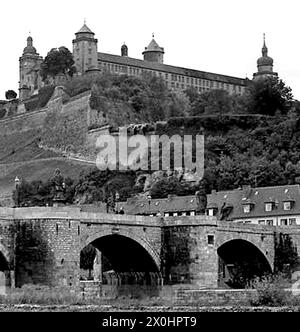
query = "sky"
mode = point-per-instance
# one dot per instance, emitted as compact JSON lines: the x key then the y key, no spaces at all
{"x":219,"y":36}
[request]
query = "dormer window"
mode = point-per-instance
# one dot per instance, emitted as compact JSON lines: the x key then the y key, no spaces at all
{"x":288,"y":204}
{"x":212,"y":212}
{"x":268,"y":207}
{"x":248,"y":205}
{"x":247,"y":208}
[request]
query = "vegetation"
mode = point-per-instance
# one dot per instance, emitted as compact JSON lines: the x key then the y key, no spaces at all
{"x":270,"y":291}
{"x":58,"y":61}
{"x":10,"y":94}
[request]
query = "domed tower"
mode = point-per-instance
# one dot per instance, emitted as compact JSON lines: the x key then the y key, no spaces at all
{"x":30,"y":62}
{"x":124,"y":50}
{"x":264,"y":64}
{"x":85,"y":50}
{"x":154,"y":53}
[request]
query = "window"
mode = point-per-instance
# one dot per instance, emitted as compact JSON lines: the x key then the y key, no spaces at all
{"x":175,"y":214}
{"x":212,"y":212}
{"x":247,"y":208}
{"x":192,"y":213}
{"x":270,"y":222}
{"x":211,"y":240}
{"x":167,"y":215}
{"x":261,"y":222}
{"x":283,"y":222}
{"x":268,"y":207}
{"x":287,"y":206}
{"x":292,"y":222}
{"x":184,"y":214}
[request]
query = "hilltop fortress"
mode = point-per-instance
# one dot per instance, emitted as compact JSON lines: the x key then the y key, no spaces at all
{"x":88,"y":59}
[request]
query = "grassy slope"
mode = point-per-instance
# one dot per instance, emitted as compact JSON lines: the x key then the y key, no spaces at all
{"x":20,"y":156}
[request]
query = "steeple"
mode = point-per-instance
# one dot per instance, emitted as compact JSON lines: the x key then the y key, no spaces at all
{"x":264,"y":49}
{"x":264,"y":63}
{"x":30,"y":62}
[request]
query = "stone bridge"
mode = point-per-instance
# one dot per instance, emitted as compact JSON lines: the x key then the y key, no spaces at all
{"x":43,"y":246}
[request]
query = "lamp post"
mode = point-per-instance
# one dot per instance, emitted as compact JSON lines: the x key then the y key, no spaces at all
{"x":117,"y":202}
{"x":149,"y":202}
{"x":17,"y":187}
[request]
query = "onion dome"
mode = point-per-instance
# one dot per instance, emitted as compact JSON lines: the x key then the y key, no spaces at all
{"x":29,"y":49}
{"x":265,"y":60}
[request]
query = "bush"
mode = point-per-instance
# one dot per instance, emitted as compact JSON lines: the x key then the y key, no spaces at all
{"x":270,"y":291}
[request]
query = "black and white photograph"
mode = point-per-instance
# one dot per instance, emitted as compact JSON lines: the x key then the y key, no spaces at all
{"x":149,"y":159}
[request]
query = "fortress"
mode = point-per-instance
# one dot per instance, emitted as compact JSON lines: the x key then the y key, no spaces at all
{"x":88,"y":59}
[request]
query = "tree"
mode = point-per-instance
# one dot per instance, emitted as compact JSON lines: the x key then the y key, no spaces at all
{"x":10,"y":94}
{"x":58,"y":61}
{"x":269,"y":95}
{"x":212,"y":102}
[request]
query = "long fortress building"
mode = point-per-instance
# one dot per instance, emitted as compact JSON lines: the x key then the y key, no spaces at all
{"x":88,"y":59}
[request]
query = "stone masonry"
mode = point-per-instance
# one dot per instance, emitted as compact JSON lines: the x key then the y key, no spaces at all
{"x":43,"y":245}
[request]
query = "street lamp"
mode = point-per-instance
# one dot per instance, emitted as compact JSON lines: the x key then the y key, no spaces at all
{"x":17,"y":186}
{"x":149,"y":202}
{"x":117,"y":201}
{"x":17,"y":182}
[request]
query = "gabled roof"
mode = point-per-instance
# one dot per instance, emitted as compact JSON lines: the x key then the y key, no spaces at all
{"x":276,"y":195}
{"x":235,"y":199}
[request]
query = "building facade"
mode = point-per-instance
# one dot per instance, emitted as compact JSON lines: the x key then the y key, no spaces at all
{"x":88,"y":59}
{"x":271,"y":206}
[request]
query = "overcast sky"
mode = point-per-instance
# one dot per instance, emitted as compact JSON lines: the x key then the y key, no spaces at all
{"x":221,"y":36}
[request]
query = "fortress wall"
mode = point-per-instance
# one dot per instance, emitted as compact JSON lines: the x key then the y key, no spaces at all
{"x":23,"y":122}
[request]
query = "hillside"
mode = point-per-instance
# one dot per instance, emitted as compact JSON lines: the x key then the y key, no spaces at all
{"x":240,"y":147}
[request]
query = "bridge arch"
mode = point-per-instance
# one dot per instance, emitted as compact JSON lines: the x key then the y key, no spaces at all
{"x":124,"y":234}
{"x":240,"y":261}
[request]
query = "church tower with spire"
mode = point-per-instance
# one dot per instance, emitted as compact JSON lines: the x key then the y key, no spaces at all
{"x":154,"y":53}
{"x":30,"y":62}
{"x":264,"y":64}
{"x":85,"y":50}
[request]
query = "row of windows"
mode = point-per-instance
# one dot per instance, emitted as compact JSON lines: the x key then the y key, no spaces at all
{"x":174,"y":214}
{"x":270,"y":222}
{"x":199,"y":84}
{"x":287,"y":206}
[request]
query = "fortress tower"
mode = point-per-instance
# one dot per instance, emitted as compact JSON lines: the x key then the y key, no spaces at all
{"x":264,"y":64}
{"x":154,"y":53}
{"x":85,"y":50}
{"x":30,"y":80}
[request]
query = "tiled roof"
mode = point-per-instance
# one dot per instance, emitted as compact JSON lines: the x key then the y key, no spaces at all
{"x":276,"y":195}
{"x":236,"y":199}
{"x":171,"y":204}
{"x":127,"y":61}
